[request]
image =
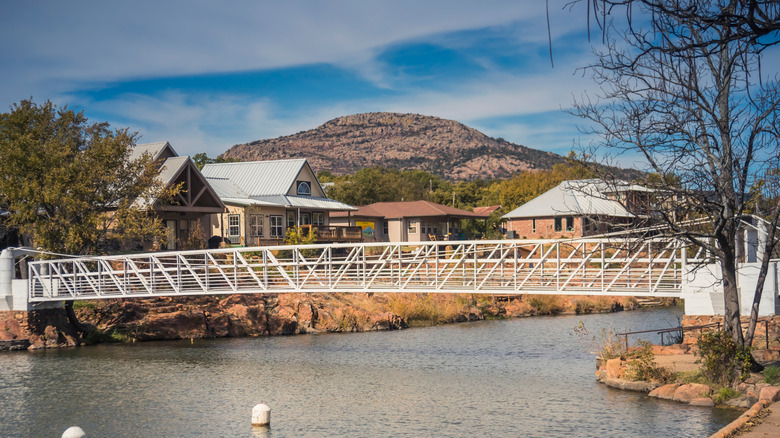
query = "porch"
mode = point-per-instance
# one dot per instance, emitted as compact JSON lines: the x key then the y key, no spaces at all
{"x":323,"y":233}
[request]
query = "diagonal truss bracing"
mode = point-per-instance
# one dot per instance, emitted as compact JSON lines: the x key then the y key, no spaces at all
{"x":569,"y":267}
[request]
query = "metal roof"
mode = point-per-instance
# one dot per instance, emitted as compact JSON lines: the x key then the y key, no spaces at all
{"x":169,"y":170}
{"x":226,"y":189}
{"x":264,"y":183}
{"x":258,"y":178}
{"x":153,"y":149}
{"x":171,"y":167}
{"x":572,"y":198}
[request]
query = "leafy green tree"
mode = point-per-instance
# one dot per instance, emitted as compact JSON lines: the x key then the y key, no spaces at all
{"x":202,"y":159}
{"x":69,"y":185}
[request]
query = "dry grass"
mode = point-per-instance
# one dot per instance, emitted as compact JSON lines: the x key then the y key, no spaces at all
{"x":424,"y":309}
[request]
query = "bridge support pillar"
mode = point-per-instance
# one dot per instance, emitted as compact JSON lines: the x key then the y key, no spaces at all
{"x":13,"y":292}
{"x":6,"y":280}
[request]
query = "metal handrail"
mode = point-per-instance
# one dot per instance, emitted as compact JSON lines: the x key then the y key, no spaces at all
{"x":569,"y":267}
{"x":682,"y":329}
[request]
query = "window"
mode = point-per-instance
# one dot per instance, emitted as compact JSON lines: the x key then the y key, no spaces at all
{"x":533,"y":225}
{"x":305,"y":218}
{"x":558,"y":224}
{"x":276,"y":226}
{"x":569,"y":224}
{"x":234,"y":228}
{"x":385,"y":228}
{"x":413,"y":227}
{"x":304,"y":188}
{"x":291,"y":222}
{"x":318,"y":218}
{"x":256,"y":225}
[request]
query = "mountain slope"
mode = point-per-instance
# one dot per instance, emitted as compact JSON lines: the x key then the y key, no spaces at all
{"x":406,"y":141}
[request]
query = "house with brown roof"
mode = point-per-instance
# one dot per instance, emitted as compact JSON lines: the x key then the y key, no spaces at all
{"x":410,"y":221}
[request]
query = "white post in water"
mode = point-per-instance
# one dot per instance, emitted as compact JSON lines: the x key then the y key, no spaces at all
{"x":261,"y":416}
{"x":74,"y":432}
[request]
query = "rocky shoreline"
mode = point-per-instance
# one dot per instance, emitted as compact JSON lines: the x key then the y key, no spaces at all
{"x":172,"y":318}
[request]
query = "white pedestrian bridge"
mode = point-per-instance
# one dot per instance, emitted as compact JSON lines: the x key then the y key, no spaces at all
{"x":620,"y":267}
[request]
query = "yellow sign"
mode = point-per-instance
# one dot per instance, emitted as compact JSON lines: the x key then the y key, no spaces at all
{"x":368,"y":228}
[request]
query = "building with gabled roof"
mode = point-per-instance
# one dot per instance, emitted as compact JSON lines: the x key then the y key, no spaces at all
{"x":189,"y":212}
{"x":407,"y":221}
{"x":577,"y":208}
{"x":265,"y":198}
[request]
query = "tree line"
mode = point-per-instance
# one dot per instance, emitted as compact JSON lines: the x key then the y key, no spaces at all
{"x":379,"y":184}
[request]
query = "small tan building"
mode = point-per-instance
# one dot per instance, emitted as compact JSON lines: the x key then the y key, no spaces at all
{"x":577,"y":208}
{"x":266,"y":198}
{"x":411,"y":221}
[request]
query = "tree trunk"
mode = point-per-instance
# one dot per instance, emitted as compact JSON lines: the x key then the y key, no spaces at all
{"x":731,"y":318}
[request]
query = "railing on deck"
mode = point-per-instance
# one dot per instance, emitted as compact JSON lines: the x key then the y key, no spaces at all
{"x":578,"y":267}
{"x":334,"y":234}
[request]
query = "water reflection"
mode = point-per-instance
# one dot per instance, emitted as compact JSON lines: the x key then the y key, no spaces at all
{"x":524,"y":377}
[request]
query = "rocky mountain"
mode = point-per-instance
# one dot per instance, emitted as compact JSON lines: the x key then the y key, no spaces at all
{"x":405,"y":141}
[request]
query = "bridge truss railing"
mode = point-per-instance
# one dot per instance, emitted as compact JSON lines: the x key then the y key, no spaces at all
{"x":569,"y":267}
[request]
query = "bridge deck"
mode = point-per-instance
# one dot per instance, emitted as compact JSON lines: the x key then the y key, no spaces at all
{"x":577,"y":267}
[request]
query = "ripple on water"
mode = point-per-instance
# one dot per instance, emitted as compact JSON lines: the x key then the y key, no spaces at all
{"x":523,"y":377}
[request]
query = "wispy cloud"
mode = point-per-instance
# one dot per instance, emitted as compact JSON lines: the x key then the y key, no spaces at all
{"x":205,"y":75}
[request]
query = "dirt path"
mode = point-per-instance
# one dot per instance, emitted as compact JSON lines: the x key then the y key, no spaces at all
{"x":677,"y":362}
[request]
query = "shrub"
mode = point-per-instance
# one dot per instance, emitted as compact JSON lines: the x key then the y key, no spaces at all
{"x":608,"y":345}
{"x":546,"y":304}
{"x":723,"y":361}
{"x":724,"y":394}
{"x":694,"y":376}
{"x":81,"y":304}
{"x":772,"y":375}
{"x":641,"y":365}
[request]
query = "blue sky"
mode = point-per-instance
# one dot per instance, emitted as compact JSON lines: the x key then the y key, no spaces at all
{"x":207,"y":75}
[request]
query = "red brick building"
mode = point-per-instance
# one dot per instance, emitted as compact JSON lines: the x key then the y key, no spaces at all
{"x":577,"y":209}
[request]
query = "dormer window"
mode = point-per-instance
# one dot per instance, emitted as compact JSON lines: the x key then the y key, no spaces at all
{"x":304,"y":188}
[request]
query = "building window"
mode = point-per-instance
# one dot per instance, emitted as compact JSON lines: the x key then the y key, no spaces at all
{"x":558,"y":224}
{"x":291,"y":222}
{"x":533,"y":225}
{"x":318,"y":218}
{"x":256,"y":225}
{"x":385,"y":228}
{"x":276,"y":226}
{"x":412,"y":227}
{"x":304,"y":188}
{"x":234,"y":228}
{"x":305,"y":219}
{"x":569,"y":224}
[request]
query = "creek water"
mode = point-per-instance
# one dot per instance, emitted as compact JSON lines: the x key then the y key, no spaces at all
{"x":527,"y":377}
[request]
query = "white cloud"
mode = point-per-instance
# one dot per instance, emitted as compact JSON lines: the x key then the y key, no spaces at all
{"x":47,"y":46}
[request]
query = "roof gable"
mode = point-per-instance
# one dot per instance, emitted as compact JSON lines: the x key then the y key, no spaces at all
{"x":196,"y":193}
{"x":159,"y":150}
